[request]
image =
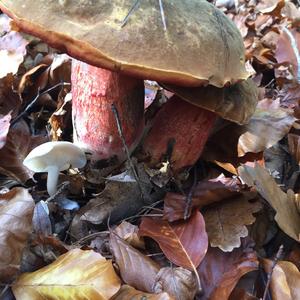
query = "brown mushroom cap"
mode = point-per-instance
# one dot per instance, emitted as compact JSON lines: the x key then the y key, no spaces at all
{"x":235,"y":103}
{"x":200,"y":46}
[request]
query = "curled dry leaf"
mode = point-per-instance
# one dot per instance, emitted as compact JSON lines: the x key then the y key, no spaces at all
{"x":129,"y":233}
{"x":241,"y":294}
{"x":294,"y":146}
{"x":226,"y":222}
{"x":16,"y":210}
{"x":287,"y":50}
{"x":136,"y":269}
{"x":206,"y":192}
{"x":266,"y":127}
{"x":78,"y":274}
{"x":220,"y":271}
{"x":183,"y":242}
{"x":18,"y":144}
{"x":4,"y":127}
{"x":285,"y":280}
{"x":12,"y":48}
{"x":285,"y":204}
{"x":177,"y":282}
{"x":128,"y":292}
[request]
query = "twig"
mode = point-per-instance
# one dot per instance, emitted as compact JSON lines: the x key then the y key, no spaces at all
{"x":28,"y":107}
{"x":269,"y":275}
{"x":132,"y":9}
{"x":189,"y":197}
{"x":61,"y":189}
{"x":162,"y":12}
{"x":120,"y":130}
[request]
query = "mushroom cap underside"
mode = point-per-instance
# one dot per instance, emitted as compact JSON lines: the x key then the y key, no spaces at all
{"x":200,"y":46}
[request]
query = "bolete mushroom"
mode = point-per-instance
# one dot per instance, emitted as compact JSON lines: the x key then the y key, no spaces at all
{"x":201,"y":46}
{"x":53,"y":157}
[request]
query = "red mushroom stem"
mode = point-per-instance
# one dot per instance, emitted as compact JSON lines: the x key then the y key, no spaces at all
{"x":181,"y":126}
{"x":94,"y":90}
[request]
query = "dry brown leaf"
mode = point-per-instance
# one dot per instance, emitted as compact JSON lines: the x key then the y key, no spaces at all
{"x":4,"y":127}
{"x":19,"y":143}
{"x":136,"y":269}
{"x":241,"y":294}
{"x":287,"y":215}
{"x":294,"y":146}
{"x":266,"y":127}
{"x":12,"y":48}
{"x":78,"y":274}
{"x":16,"y":210}
{"x":129,"y":233}
{"x":220,"y":271}
{"x":226,"y":222}
{"x":206,"y":192}
{"x":128,"y":292}
{"x":177,"y":282}
{"x":183,"y":243}
{"x":285,"y":280}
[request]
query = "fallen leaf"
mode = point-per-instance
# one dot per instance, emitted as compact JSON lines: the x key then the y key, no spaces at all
{"x":183,"y":242}
{"x":129,"y":233}
{"x":241,"y":294}
{"x":78,"y":274}
{"x":287,"y":50}
{"x":220,"y":271}
{"x":177,"y":282}
{"x":287,"y":215}
{"x":285,"y":280}
{"x":266,"y":127}
{"x":294,"y":146}
{"x":128,"y":292}
{"x":136,"y":269}
{"x":270,"y":6}
{"x":12,"y":48}
{"x":226,"y":222}
{"x":4,"y":127}
{"x":206,"y":192}
{"x":19,"y":143}
{"x":16,"y":210}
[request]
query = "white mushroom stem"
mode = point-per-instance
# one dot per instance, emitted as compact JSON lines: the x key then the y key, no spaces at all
{"x":53,"y":173}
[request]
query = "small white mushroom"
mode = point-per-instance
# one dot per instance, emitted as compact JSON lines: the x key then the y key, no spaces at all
{"x":53,"y":157}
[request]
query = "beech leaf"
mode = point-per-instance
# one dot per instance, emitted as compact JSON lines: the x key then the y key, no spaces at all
{"x":77,"y":274}
{"x":184,"y":242}
{"x":136,"y":269}
{"x":285,"y":280}
{"x":128,"y":292}
{"x":16,"y":210}
{"x":177,"y":282}
{"x":220,"y":271}
{"x":4,"y":127}
{"x":285,"y":204}
{"x":226,"y":222}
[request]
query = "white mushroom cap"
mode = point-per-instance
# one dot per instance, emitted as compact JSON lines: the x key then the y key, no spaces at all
{"x":53,"y":157}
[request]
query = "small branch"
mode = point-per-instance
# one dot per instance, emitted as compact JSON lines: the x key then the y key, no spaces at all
{"x":189,"y":197}
{"x":132,"y":9}
{"x":269,"y":275}
{"x":29,"y":106}
{"x":120,"y":130}
{"x":162,"y":12}
{"x":60,"y":191}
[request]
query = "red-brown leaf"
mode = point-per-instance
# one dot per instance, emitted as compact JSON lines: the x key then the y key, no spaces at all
{"x":220,"y":271}
{"x":184,"y":243}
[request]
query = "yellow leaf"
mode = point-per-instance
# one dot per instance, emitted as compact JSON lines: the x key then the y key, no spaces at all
{"x":78,"y":274}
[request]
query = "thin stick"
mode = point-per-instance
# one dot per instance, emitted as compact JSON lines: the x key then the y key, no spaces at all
{"x":120,"y":130}
{"x":132,"y":9}
{"x":269,"y":275}
{"x":162,"y":12}
{"x":189,"y":197}
{"x":28,"y":107}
